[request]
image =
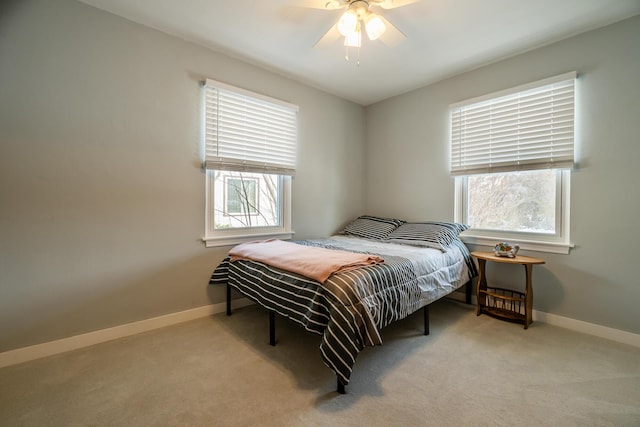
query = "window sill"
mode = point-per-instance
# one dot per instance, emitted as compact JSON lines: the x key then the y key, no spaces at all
{"x":232,"y":240}
{"x":528,"y":245}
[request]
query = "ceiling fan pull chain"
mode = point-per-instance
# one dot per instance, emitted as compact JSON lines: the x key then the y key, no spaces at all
{"x":346,"y":55}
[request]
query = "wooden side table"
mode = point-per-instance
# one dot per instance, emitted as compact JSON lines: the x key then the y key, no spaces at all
{"x":503,"y":303}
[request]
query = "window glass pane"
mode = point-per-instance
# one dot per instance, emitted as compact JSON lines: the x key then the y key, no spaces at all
{"x":241,"y":196}
{"x":514,"y":201}
{"x":246,"y":200}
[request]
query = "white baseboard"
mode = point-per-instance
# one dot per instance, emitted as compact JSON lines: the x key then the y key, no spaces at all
{"x":25,"y":354}
{"x":617,"y":335}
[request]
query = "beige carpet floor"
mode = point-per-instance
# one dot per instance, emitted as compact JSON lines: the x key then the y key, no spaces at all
{"x":220,"y":371}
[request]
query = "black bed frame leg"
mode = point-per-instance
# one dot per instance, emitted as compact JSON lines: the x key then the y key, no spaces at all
{"x":228,"y":300}
{"x":425,"y":310}
{"x":341,"y":387}
{"x":272,"y":327}
{"x":468,"y":292}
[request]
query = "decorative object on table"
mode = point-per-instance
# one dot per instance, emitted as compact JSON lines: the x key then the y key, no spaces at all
{"x":506,"y":249}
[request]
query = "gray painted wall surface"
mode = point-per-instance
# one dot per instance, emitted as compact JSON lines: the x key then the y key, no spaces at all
{"x":407,"y":162}
{"x":101,"y":188}
{"x":102,"y":194}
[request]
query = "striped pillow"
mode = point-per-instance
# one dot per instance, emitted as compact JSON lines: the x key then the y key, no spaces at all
{"x":437,"y":235}
{"x":372,"y":227}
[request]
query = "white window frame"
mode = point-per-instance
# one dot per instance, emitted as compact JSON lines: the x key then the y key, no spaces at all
{"x":553,"y":243}
{"x":215,"y":160}
{"x":235,"y":236}
{"x":558,"y":242}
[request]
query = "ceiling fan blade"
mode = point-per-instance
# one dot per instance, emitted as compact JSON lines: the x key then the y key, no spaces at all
{"x":392,"y":4}
{"x":392,"y":36}
{"x":321,"y":4}
{"x":328,"y":38}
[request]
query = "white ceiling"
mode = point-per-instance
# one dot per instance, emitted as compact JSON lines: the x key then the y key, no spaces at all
{"x":444,"y":37}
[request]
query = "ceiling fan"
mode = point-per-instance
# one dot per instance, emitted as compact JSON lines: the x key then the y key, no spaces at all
{"x":359,"y":18}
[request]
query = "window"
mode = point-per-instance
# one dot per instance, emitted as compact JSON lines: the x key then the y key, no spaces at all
{"x":511,"y":155}
{"x":250,"y":155}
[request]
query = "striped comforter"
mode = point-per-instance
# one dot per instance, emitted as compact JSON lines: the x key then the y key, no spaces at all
{"x":350,"y":308}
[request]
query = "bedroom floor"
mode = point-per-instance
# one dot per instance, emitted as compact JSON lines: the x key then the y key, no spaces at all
{"x":220,"y":371}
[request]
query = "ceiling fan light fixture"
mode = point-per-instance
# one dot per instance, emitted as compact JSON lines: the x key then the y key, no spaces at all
{"x":358,"y":19}
{"x":348,"y":23}
{"x":374,"y":26}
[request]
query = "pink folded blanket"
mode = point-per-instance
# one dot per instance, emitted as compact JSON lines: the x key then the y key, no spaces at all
{"x":315,"y":263}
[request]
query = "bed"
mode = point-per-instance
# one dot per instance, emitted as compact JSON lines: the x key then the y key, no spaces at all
{"x":421,"y":263}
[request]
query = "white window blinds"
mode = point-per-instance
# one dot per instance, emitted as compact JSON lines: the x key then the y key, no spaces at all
{"x":249,"y":132}
{"x":525,"y":128}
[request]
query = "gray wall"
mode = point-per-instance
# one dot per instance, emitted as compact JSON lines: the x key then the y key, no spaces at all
{"x":101,"y":189}
{"x":102,"y":194}
{"x":407,"y":169}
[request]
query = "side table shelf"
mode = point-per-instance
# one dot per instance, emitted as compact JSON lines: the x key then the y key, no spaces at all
{"x":503,"y":303}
